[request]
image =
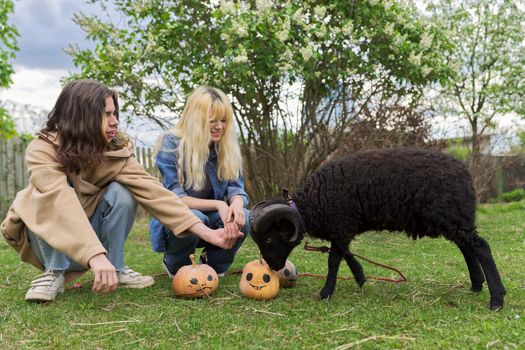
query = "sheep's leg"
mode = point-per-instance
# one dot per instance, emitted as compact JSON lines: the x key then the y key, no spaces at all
{"x":484,"y":256}
{"x":356,"y":268}
{"x":353,"y":264}
{"x":334,"y":260}
{"x":476,"y":274}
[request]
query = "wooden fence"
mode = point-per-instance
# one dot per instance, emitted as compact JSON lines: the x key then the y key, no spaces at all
{"x":13,"y":171}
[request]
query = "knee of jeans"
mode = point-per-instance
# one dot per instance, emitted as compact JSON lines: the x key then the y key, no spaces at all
{"x":246,"y":228}
{"x":120,"y":196}
{"x":203,"y":217}
{"x":180,"y":245}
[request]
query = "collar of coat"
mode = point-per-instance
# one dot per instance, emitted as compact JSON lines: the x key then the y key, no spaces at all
{"x":53,"y":139}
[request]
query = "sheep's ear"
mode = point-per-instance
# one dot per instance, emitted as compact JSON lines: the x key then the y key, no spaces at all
{"x":290,"y":230}
{"x":280,"y":217}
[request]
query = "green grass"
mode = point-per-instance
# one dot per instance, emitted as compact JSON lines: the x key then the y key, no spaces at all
{"x":434,"y":309}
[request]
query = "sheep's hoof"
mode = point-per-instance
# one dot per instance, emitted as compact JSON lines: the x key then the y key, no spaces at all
{"x":325,"y":294}
{"x":496,"y":303}
{"x":360,"y":282}
{"x":476,"y":288}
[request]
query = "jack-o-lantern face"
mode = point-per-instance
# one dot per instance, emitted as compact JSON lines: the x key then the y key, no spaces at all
{"x":195,"y":281}
{"x":287,"y":275}
{"x":258,"y":281}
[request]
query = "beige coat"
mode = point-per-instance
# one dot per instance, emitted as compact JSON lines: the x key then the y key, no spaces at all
{"x":58,"y":212}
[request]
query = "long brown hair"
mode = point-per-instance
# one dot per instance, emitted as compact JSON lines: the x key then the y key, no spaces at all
{"x":78,"y":118}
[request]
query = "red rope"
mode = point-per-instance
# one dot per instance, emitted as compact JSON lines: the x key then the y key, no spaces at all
{"x":325,"y":249}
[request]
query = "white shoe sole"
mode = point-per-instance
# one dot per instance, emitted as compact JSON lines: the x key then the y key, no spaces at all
{"x":166,"y":269}
{"x":41,"y":296}
{"x":145,"y":284}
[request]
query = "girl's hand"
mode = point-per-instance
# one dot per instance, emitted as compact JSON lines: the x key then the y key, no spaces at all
{"x":236,"y":211}
{"x":223,"y":237}
{"x":106,"y":279}
{"x":223,"y":210}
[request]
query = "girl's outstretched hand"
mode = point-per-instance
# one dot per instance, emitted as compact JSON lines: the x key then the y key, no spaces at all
{"x":236,"y":211}
{"x":223,"y":237}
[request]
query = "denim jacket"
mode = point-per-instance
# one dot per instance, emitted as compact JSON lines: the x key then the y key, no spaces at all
{"x":167,"y":162}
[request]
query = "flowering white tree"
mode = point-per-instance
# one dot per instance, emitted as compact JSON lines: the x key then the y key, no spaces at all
{"x":488,"y":62}
{"x":8,"y":47}
{"x":298,"y":72}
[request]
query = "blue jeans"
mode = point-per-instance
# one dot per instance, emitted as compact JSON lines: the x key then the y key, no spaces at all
{"x":112,"y":221}
{"x":178,"y":250}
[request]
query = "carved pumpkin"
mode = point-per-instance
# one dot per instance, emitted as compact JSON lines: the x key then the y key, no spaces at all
{"x":195,"y":281}
{"x":259,"y":281}
{"x":287,"y":275}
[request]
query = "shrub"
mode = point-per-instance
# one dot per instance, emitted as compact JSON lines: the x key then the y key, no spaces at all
{"x":514,"y":195}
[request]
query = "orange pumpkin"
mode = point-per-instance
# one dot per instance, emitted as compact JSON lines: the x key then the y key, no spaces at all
{"x":287,"y":275}
{"x":259,"y":281}
{"x":195,"y":281}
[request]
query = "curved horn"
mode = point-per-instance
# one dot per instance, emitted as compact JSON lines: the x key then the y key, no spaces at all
{"x":272,"y":214}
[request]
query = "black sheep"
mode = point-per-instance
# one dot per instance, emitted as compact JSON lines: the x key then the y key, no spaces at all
{"x":421,"y":192}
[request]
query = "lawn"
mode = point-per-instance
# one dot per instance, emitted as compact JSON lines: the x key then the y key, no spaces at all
{"x":434,"y":309}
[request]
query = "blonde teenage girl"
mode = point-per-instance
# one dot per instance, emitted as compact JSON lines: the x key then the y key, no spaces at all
{"x":200,"y":161}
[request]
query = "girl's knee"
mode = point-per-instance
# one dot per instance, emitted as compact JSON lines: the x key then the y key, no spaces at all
{"x":119,"y":196}
{"x":246,"y":228}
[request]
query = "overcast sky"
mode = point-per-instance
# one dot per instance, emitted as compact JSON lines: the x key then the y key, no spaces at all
{"x":46,"y":27}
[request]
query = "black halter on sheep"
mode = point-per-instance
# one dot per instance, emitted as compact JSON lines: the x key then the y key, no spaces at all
{"x":421,"y":192}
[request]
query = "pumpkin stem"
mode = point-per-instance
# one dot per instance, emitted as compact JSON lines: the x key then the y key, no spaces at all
{"x":192,"y":258}
{"x":260,"y":258}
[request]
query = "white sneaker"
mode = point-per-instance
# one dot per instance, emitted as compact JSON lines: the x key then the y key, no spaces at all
{"x":46,"y":286}
{"x":165,"y":267}
{"x":128,"y":278}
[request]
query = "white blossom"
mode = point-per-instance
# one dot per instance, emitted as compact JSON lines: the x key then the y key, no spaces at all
{"x":117,"y":53}
{"x":263,"y":5}
{"x":426,"y":40}
{"x":398,"y":40}
{"x":216,"y":63}
{"x":306,"y":52}
{"x":227,"y":7}
{"x":282,"y":35}
{"x":298,"y":17}
{"x":425,"y":70}
{"x":389,"y":29}
{"x":286,"y":24}
{"x":285,"y":66}
{"x":240,"y":59}
{"x":335,"y":30}
{"x":225,"y":37}
{"x":414,"y":59}
{"x":320,"y":32}
{"x":287,"y":55}
{"x":348,"y":28}
{"x":239,"y":29}
{"x":320,"y":11}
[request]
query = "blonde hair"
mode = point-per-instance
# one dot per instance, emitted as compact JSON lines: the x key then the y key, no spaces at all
{"x":193,"y":129}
